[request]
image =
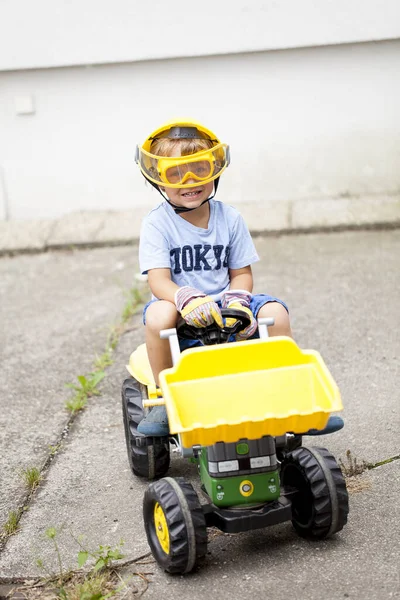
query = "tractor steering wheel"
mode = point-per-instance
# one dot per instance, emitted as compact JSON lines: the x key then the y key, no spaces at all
{"x":213,"y":334}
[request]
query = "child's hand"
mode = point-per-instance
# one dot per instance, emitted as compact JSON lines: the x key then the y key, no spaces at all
{"x":198,"y":309}
{"x":240,"y":299}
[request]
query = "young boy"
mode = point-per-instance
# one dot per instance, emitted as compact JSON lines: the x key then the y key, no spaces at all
{"x":196,"y":251}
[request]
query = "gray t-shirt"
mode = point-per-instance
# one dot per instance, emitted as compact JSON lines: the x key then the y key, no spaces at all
{"x":197,"y":257}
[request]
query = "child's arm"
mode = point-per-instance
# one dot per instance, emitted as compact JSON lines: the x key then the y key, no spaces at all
{"x":161,"y":284}
{"x":241,"y":279}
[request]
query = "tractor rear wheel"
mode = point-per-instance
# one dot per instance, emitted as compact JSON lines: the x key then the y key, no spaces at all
{"x":148,"y":457}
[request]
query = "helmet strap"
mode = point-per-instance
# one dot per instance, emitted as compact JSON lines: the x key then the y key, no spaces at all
{"x":183,"y":209}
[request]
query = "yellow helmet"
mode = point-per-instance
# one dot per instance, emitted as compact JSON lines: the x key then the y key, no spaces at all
{"x":183,"y":171}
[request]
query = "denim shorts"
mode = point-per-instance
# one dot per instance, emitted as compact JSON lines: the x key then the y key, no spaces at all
{"x":257,"y":301}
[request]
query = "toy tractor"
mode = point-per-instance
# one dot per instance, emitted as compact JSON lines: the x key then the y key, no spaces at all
{"x":239,"y":411}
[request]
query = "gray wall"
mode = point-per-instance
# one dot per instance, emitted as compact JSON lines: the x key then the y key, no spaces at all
{"x":50,"y":33}
{"x":314,"y":132}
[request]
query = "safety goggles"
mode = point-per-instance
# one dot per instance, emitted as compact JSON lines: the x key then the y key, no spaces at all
{"x":184,"y":171}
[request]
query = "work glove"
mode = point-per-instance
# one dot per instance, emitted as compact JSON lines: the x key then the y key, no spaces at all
{"x":240,"y":299}
{"x":198,"y":309}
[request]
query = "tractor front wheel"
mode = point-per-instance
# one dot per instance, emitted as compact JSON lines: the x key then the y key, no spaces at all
{"x":321,"y":504}
{"x":175,"y":524}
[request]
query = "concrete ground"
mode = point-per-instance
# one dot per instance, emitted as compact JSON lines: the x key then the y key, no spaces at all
{"x":56,"y":312}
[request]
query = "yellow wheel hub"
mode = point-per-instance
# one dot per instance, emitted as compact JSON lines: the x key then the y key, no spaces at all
{"x":161,"y":527}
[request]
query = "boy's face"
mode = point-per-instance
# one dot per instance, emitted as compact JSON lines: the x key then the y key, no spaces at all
{"x":190,"y":197}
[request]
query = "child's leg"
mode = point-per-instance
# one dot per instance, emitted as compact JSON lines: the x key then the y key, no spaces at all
{"x":281,"y":316}
{"x":159,"y":315}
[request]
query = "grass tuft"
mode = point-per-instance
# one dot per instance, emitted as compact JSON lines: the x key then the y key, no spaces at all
{"x":104,"y":360}
{"x":353,"y":471}
{"x":351,"y":467}
{"x":95,"y":586}
{"x":113,"y":337}
{"x":87,"y":384}
{"x":54,"y":448}
{"x":12,"y":524}
{"x":134,"y":298}
{"x":76,"y":404}
{"x":32,"y":477}
{"x":98,"y":582}
{"x":86,"y":387}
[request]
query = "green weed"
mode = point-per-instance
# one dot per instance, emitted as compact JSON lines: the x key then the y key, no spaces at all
{"x":386,"y":461}
{"x":104,"y":360}
{"x":53,"y":449}
{"x":98,"y":583}
{"x":31,"y":476}
{"x":134,"y":298}
{"x":94,"y":587}
{"x":87,"y":385}
{"x":113,"y":337}
{"x":51,"y":534}
{"x":103,"y":557}
{"x":76,"y":404}
{"x":11,"y":525}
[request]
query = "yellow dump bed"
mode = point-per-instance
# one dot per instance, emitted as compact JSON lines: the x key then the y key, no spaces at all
{"x":247,"y":390}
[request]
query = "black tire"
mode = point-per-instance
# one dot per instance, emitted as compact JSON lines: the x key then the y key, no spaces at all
{"x":321,"y":504}
{"x":175,"y":525}
{"x":151,"y":458}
